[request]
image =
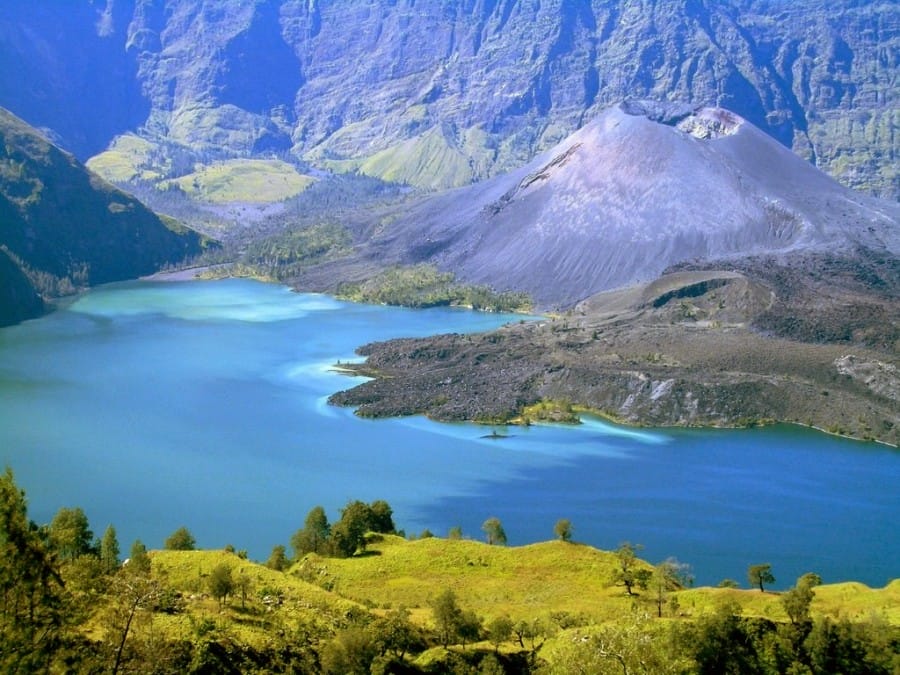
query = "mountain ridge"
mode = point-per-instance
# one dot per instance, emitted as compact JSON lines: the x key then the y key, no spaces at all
{"x":493,"y":84}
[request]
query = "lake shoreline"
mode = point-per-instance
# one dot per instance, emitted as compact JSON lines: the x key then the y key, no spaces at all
{"x":510,"y":417}
{"x":144,"y":402}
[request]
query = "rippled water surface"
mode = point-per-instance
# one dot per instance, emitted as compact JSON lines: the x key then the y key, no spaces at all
{"x":155,"y":405}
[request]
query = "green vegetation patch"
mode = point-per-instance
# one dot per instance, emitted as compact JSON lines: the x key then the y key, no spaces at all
{"x":437,"y":158}
{"x":549,"y":410}
{"x":129,"y":158}
{"x":493,"y":580}
{"x":283,"y":256}
{"x":257,"y":597}
{"x":429,"y":161}
{"x":244,"y":180}
{"x":425,"y":286}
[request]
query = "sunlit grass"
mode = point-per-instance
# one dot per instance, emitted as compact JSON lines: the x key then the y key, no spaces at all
{"x":252,"y":618}
{"x":244,"y":180}
{"x":523,"y":582}
{"x":127,"y":158}
{"x":553,"y":582}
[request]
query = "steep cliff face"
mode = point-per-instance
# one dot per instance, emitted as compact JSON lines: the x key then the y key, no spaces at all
{"x":483,"y":85}
{"x":219,"y":76}
{"x":65,"y":68}
{"x":62,"y":227}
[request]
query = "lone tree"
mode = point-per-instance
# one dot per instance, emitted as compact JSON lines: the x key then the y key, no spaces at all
{"x":313,"y":536}
{"x":381,"y":517}
{"x":629,"y":572}
{"x":221,"y":584}
{"x":138,"y":559}
{"x":396,"y":633}
{"x":796,"y":602}
{"x":494,"y":531}
{"x":244,"y":585}
{"x":760,"y":574}
{"x":669,"y":575}
{"x":349,"y":533}
{"x":131,"y":592}
{"x":278,"y":559}
{"x":499,"y":630}
{"x":447,"y":616}
{"x":469,"y":629}
{"x":563,"y":529}
{"x":181,"y":540}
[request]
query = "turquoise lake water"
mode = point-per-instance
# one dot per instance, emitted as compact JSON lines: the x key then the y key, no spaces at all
{"x":156,"y":405}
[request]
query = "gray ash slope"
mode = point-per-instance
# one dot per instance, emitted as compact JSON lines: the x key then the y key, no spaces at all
{"x":641,"y":188}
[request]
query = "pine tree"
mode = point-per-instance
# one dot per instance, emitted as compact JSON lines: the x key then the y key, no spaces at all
{"x":32,"y":613}
{"x":109,"y":550}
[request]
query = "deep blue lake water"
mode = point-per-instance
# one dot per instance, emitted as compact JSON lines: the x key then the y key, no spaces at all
{"x":156,"y":405}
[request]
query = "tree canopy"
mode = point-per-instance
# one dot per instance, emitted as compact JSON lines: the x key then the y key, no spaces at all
{"x":453,"y":624}
{"x":761,"y":574}
{"x":32,"y":613}
{"x":563,"y":529}
{"x":277,"y":559}
{"x":313,"y":536}
{"x":109,"y":550}
{"x":70,"y":534}
{"x":629,"y":571}
{"x":494,"y":531}
{"x":181,"y":540}
{"x":221,"y":584}
{"x":138,"y":559}
{"x":347,"y":535}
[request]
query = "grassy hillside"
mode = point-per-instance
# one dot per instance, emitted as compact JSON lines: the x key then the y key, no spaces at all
{"x":131,"y":158}
{"x":557,"y":598}
{"x":560,"y":589}
{"x":492,"y":580}
{"x":554,"y":576}
{"x":271,"y":598}
{"x":243,"y":180}
{"x":396,"y":606}
{"x":541,"y":580}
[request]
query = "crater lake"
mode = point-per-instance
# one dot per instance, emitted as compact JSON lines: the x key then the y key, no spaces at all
{"x":154,"y":405}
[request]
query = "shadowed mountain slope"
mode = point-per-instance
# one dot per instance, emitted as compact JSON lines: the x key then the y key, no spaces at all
{"x":62,"y":227}
{"x":640,"y":188}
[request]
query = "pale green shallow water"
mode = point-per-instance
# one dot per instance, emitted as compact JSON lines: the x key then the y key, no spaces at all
{"x":155,"y":405}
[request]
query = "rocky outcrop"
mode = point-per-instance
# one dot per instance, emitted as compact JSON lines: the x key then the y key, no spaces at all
{"x":689,"y":360}
{"x":881,"y":378}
